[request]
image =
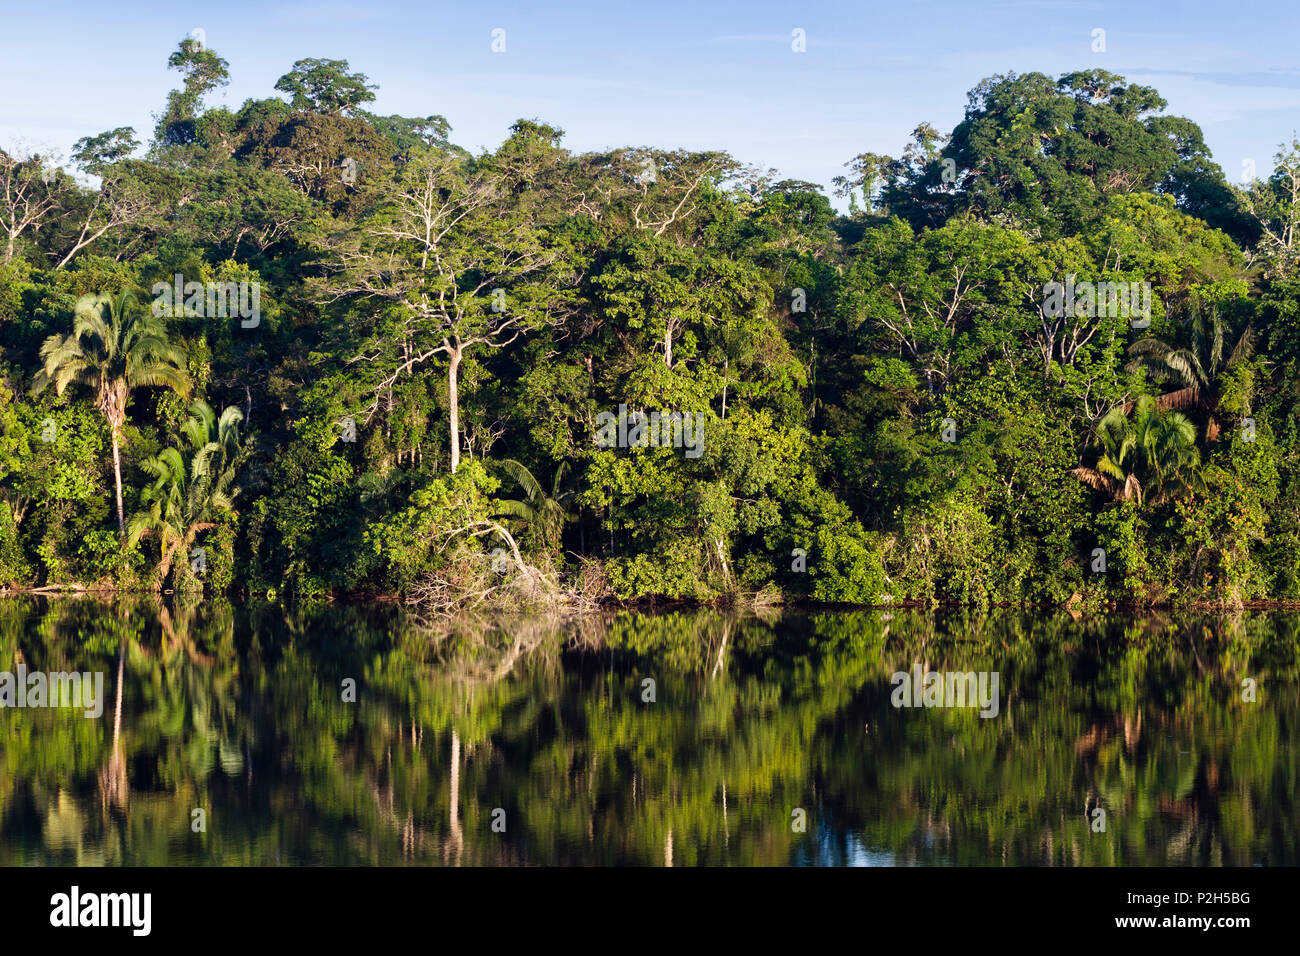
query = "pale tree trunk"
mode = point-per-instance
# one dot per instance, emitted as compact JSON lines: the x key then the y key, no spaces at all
{"x":113,"y":777}
{"x":117,"y":480}
{"x":457,"y":837}
{"x":453,"y":408}
{"x":726,"y":374}
{"x":455,"y":782}
{"x":117,"y":704}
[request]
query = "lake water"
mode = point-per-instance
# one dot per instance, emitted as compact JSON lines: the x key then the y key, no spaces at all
{"x":769,"y":739}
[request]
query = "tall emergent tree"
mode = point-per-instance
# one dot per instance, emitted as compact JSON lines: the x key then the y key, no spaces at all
{"x":325,"y":86}
{"x":204,"y":71}
{"x":453,"y":264}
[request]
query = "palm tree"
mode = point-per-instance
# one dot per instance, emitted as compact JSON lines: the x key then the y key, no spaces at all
{"x":1150,"y":456}
{"x":545,"y":515}
{"x":1197,"y":367}
{"x":185,"y":501}
{"x":115,"y":347}
{"x":1114,"y":441}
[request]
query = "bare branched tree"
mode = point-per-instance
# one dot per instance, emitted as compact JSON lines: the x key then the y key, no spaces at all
{"x":451,"y":264}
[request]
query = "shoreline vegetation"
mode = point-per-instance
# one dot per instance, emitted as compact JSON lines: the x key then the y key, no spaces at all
{"x":569,"y":602}
{"x":302,"y":351}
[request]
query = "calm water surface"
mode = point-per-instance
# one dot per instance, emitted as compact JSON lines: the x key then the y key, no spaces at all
{"x":544,"y":726}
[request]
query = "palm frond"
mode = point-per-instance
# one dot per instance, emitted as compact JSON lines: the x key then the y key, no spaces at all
{"x":1093,"y":479}
{"x":517,"y":509}
{"x":532,"y":488}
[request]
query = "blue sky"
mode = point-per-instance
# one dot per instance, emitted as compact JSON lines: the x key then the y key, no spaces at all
{"x":668,"y":74}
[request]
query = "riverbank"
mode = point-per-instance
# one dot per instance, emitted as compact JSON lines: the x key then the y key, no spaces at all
{"x":576,"y":602}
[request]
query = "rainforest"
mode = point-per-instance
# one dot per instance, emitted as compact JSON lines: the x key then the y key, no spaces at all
{"x":299,"y":350}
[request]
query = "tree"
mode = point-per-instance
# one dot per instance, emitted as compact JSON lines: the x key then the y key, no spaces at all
{"x":121,"y":200}
{"x":95,"y":153}
{"x":452,"y":266}
{"x":188,"y":497}
{"x":193,"y":486}
{"x":1198,"y":184}
{"x":325,"y":86}
{"x":544,"y":514}
{"x":919,"y":187}
{"x":37,"y":200}
{"x":410,"y":134}
{"x":203,"y":71}
{"x":115,"y":347}
{"x":1197,"y":366}
{"x":1148,"y":457}
{"x":328,"y":157}
{"x":1044,"y":154}
{"x":30,"y":196}
{"x":1275,"y":206}
{"x":933,"y":299}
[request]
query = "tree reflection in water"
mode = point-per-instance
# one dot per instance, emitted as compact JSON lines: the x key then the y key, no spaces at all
{"x":239,"y":711}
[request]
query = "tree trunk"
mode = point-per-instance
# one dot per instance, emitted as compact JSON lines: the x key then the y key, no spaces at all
{"x":117,"y":480}
{"x":113,"y":777}
{"x":453,"y":408}
{"x":726,"y":374}
{"x":117,"y":705}
{"x":455,"y":781}
{"x":457,"y":837}
{"x":165,"y":564}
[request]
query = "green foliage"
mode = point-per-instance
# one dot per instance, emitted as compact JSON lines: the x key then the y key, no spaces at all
{"x":543,"y":515}
{"x":325,"y":86}
{"x":193,"y":489}
{"x":1149,"y":456}
{"x":884,"y":404}
{"x":1140,"y":714}
{"x":435,"y":528}
{"x":203,"y":71}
